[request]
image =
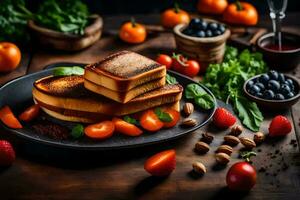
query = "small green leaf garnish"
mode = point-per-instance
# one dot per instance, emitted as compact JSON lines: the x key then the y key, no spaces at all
{"x":130,"y":120}
{"x":68,"y":71}
{"x":170,"y":79}
{"x":162,"y":116}
{"x":77,"y":131}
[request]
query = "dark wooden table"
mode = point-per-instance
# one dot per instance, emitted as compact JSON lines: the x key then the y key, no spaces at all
{"x":42,"y":172}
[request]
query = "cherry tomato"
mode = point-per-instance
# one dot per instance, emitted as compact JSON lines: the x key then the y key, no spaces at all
{"x":175,"y":115}
{"x":164,"y":59}
{"x":173,"y":16}
{"x":30,"y":113}
{"x":9,"y":119}
{"x":161,"y":164}
{"x":10,"y":56}
{"x":133,"y":32}
{"x":102,"y":130}
{"x":126,"y":128}
{"x":179,"y":62}
{"x":212,"y":6}
{"x":241,"y":176}
{"x":150,"y":122}
{"x":192,"y":68}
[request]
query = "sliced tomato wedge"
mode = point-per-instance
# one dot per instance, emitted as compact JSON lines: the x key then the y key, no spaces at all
{"x":102,"y":130}
{"x":175,"y":115}
{"x":30,"y":113}
{"x":150,"y":122}
{"x":9,"y":119}
{"x":126,"y":128}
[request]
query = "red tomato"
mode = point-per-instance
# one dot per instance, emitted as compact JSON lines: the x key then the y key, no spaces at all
{"x":175,"y":115}
{"x":10,"y":56}
{"x":9,"y":119}
{"x":179,"y":61}
{"x":192,"y":68}
{"x":102,"y":130}
{"x":164,"y":60}
{"x":241,"y":176}
{"x":30,"y":113}
{"x":126,"y":128}
{"x":161,"y":164}
{"x":150,"y":122}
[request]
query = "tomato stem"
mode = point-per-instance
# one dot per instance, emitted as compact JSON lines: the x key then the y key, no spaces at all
{"x":247,"y":155}
{"x":239,"y":5}
{"x":181,"y":61}
{"x":176,"y":7}
{"x":133,"y":22}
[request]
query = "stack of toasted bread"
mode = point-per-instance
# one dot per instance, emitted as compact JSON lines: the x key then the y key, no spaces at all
{"x":122,"y":84}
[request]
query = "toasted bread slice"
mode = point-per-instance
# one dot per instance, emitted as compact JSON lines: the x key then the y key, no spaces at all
{"x":123,"y":71}
{"x":124,"y":97}
{"x":69,"y":93}
{"x":82,"y":117}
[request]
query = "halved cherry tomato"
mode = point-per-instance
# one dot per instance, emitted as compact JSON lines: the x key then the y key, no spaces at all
{"x":192,"y":68}
{"x":9,"y":119}
{"x":175,"y":115}
{"x":102,"y":130}
{"x":164,"y":60}
{"x":150,"y":122}
{"x":30,"y":113}
{"x":161,"y":164}
{"x":173,"y":16}
{"x":133,"y":32}
{"x":126,"y":128}
{"x":212,"y":6}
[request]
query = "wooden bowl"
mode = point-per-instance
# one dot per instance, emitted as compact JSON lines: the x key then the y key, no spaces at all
{"x":274,"y":104}
{"x":282,"y":60}
{"x":68,"y":42}
{"x":205,"y":50}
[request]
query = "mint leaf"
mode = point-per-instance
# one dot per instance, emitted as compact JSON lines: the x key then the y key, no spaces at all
{"x":68,"y":71}
{"x":77,"y":131}
{"x":170,"y":79}
{"x":131,"y":120}
{"x":162,"y":116}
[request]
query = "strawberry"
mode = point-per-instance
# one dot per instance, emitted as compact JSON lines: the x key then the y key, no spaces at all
{"x":223,"y":118}
{"x":279,"y":126}
{"x":7,"y":153}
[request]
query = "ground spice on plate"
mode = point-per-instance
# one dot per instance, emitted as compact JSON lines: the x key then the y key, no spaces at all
{"x":52,"y":130}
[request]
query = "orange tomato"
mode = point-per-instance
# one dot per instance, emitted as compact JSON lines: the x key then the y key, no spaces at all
{"x":30,"y":113}
{"x":102,"y":130}
{"x":175,"y":115}
{"x":241,"y":13}
{"x":9,"y":119}
{"x":173,"y":16}
{"x":133,"y":32}
{"x":126,"y":128}
{"x":10,"y":56}
{"x":150,"y":122}
{"x":212,"y":6}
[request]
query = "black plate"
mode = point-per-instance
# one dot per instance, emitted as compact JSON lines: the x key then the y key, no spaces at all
{"x":17,"y":94}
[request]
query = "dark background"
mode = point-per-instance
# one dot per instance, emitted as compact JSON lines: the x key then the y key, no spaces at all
{"x":113,"y":7}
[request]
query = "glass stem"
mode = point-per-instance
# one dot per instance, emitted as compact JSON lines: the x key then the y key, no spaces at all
{"x":276,"y":21}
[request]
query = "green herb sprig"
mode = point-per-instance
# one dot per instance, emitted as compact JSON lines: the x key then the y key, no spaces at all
{"x":68,"y":71}
{"x":77,"y":131}
{"x":162,"y":116}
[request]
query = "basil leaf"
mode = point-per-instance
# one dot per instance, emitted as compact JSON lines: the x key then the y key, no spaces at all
{"x":162,"y":116}
{"x":77,"y":131}
{"x":131,"y":120}
{"x":205,"y":101}
{"x":170,"y":79}
{"x":68,"y":71}
{"x":193,"y":90}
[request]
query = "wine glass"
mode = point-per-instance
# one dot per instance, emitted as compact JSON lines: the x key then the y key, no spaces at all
{"x":277,"y":13}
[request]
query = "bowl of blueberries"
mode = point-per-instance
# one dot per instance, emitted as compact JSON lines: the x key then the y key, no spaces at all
{"x":202,"y":39}
{"x":273,"y":90}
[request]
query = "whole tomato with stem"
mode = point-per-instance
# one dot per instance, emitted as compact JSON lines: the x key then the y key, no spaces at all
{"x":132,"y":32}
{"x":241,"y":13}
{"x":187,"y":67}
{"x":242,"y":176}
{"x":164,"y":59}
{"x":215,"y":7}
{"x":173,"y":16}
{"x":10,"y":56}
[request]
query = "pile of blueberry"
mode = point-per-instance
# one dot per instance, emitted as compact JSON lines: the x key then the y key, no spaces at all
{"x":200,"y":28}
{"x":272,"y":86}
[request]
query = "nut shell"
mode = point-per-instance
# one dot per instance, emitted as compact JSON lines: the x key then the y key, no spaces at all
{"x":247,"y":142}
{"x":206,"y":137}
{"x":201,"y":147}
{"x":231,"y":140}
{"x":222,"y":158}
{"x":236,"y":130}
{"x":225,"y":149}
{"x":189,"y":122}
{"x":259,"y":137}
{"x":199,"y":168}
{"x":188,"y":108}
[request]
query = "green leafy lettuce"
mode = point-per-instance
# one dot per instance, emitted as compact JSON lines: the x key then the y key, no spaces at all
{"x":199,"y":95}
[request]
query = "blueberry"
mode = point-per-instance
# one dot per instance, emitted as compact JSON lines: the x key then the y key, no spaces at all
{"x":285,"y":89}
{"x":194,"y":23}
{"x":274,"y":85}
{"x":289,"y":83}
{"x":290,"y":95}
{"x":213,"y":26}
{"x":259,"y":95}
{"x":217,"y":32}
{"x":249,"y":84}
{"x":264,"y":78}
{"x":260,"y":85}
{"x":268,"y":94}
{"x":279,"y":96}
{"x":208,"y":33}
{"x":202,"y":25}
{"x":221,"y":28}
{"x":188,"y":31}
{"x":273,"y":75}
{"x":281,"y":78}
{"x":200,"y":34}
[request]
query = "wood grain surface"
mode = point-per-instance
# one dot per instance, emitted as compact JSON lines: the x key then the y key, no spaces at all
{"x":42,"y":172}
